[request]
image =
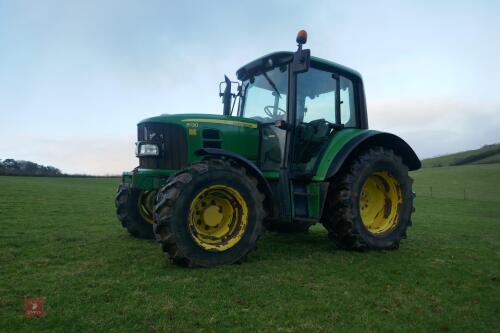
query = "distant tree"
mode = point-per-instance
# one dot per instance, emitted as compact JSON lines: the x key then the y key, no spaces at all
{"x":13,"y":167}
{"x":477,"y":157}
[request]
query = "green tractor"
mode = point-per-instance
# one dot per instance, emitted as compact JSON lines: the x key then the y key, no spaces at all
{"x":291,"y":149}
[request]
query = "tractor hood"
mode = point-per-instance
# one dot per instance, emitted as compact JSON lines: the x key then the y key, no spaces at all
{"x":233,"y":134}
{"x":200,"y":118}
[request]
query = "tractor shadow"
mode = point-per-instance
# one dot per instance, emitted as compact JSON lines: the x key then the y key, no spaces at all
{"x":310,"y":245}
{"x":292,"y":246}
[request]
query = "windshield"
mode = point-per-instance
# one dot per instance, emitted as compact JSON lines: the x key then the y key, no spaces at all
{"x":265,"y":96}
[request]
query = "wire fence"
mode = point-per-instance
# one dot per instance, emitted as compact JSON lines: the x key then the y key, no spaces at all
{"x":458,"y":193}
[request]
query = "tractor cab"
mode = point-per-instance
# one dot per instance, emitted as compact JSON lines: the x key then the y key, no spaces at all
{"x":300,"y":102}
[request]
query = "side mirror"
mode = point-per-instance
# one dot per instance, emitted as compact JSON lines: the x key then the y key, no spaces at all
{"x":301,"y":58}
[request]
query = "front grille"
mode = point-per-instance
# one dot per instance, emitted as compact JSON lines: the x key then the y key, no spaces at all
{"x":172,"y":141}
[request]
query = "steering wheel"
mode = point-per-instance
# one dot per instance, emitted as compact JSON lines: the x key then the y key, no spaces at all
{"x":268,"y":109}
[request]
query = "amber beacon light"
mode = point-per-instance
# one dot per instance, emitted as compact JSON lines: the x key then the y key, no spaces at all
{"x":302,"y":37}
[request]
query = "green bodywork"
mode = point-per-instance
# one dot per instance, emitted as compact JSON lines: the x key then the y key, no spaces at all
{"x":240,"y":136}
{"x":339,"y":140}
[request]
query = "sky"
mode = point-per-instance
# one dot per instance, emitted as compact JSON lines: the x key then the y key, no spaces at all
{"x":77,"y":76}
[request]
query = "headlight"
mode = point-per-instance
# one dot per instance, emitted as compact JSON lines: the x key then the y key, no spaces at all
{"x":147,"y":149}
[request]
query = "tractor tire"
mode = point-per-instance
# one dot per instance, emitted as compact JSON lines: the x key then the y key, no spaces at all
{"x":370,"y":202}
{"x":289,"y":228}
{"x":209,"y":214}
{"x":131,"y":214}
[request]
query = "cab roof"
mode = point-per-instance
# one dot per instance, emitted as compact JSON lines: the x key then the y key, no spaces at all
{"x":273,"y":59}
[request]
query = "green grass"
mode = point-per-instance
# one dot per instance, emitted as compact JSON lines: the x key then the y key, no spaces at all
{"x":60,"y":240}
{"x":484,"y":154}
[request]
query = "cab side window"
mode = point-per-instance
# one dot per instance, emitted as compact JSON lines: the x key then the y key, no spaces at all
{"x":316,"y":96}
{"x":347,"y":107}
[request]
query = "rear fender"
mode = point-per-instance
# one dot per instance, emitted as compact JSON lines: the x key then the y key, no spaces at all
{"x":370,"y":138}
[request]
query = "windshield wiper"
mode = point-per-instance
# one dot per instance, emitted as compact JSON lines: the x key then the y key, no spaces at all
{"x":272,"y":84}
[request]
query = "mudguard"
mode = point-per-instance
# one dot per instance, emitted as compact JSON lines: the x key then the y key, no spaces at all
{"x":251,"y":168}
{"x":370,"y":138}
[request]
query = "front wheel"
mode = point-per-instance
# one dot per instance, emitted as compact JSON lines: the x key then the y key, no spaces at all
{"x":134,"y":209}
{"x":370,"y":203}
{"x":209,"y":214}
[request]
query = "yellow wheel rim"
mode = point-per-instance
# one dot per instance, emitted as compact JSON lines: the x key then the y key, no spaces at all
{"x":145,"y":204}
{"x":380,"y":202}
{"x":218,"y":218}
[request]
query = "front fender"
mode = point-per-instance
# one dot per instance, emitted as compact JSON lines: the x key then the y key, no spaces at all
{"x":338,"y":154}
{"x":251,"y":169}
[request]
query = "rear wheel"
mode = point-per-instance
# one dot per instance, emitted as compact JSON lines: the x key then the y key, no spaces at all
{"x":209,"y":214}
{"x":134,"y":209}
{"x":370,"y":203}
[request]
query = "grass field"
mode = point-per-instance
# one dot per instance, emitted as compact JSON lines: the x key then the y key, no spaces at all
{"x":480,"y":182}
{"x":60,"y":240}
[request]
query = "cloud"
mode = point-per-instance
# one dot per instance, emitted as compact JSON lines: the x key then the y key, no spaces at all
{"x":438,"y":128}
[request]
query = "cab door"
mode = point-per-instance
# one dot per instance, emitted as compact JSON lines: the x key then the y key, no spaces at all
{"x":324,"y":105}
